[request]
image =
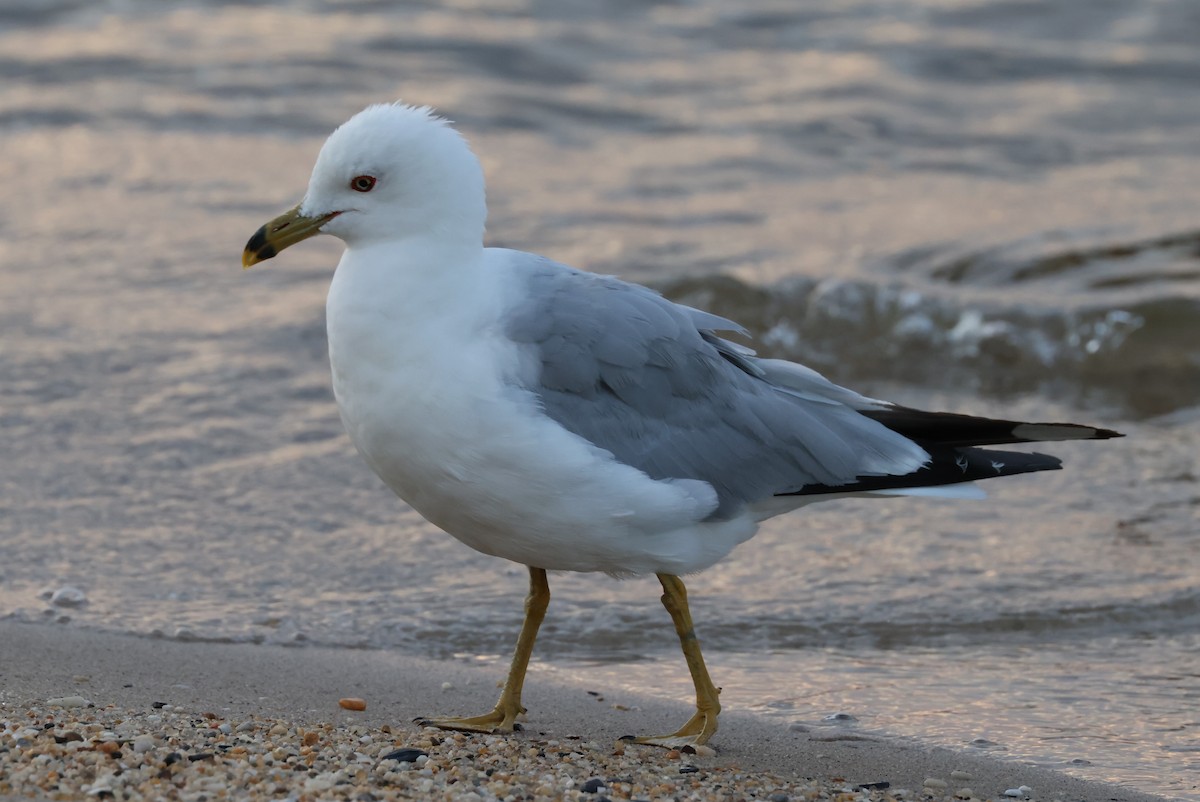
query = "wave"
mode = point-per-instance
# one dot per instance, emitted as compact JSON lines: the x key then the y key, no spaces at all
{"x":603,"y":635}
{"x":1115,"y":324}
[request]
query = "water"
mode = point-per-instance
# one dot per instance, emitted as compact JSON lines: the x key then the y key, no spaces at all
{"x":983,"y":206}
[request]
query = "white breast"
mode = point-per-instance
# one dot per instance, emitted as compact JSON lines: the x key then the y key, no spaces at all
{"x":429,"y":390}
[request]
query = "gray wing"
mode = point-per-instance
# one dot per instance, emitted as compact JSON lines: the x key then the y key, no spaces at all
{"x":647,"y":380}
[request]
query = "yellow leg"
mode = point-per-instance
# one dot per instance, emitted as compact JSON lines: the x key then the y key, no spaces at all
{"x":504,"y":715}
{"x":703,"y":725}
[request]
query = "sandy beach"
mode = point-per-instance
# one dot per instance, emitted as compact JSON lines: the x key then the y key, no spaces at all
{"x":232,"y":712}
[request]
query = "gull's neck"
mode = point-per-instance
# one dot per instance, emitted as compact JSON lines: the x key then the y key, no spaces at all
{"x":387,"y":298}
{"x":409,"y":275}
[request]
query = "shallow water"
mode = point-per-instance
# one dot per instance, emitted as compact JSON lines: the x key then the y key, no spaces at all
{"x":981,"y":206}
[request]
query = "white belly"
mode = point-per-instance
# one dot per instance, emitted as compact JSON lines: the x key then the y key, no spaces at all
{"x":434,"y":409}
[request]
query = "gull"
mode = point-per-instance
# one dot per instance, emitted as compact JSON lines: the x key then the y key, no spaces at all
{"x":569,"y":421}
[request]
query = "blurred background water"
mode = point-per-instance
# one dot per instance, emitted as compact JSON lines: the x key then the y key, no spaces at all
{"x":986,"y":206}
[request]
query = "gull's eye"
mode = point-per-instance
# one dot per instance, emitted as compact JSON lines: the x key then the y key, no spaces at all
{"x":362,"y":183}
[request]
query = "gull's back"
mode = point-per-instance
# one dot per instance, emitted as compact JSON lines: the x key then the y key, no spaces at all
{"x":650,"y":382}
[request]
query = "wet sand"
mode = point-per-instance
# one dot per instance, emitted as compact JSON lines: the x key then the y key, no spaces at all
{"x":572,"y":732}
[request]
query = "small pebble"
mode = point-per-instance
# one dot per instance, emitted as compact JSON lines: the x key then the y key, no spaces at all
{"x":839,"y":718}
{"x":143,"y":743}
{"x":961,"y":776}
{"x":352,"y":703}
{"x":407,"y":755}
{"x":68,"y":701}
{"x":447,"y":686}
{"x":68,"y":596}
{"x":934,"y":782}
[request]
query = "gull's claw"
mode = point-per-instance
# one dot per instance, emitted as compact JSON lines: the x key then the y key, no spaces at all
{"x":503,"y":718}
{"x":703,"y":723}
{"x":500,"y":720}
{"x":698,"y":729}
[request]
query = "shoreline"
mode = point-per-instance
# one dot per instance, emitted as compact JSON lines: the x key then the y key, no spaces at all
{"x":291,"y":692}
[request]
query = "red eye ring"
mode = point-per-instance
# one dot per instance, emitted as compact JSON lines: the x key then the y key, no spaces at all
{"x":362,"y":183}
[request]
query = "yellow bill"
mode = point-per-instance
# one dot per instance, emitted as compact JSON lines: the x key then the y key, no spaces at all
{"x":284,"y":231}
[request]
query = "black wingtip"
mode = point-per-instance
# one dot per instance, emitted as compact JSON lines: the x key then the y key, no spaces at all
{"x":953,"y":429}
{"x":1049,"y":432}
{"x":948,"y":466}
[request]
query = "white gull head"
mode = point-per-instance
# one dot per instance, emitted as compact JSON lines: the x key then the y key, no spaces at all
{"x":396,"y":172}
